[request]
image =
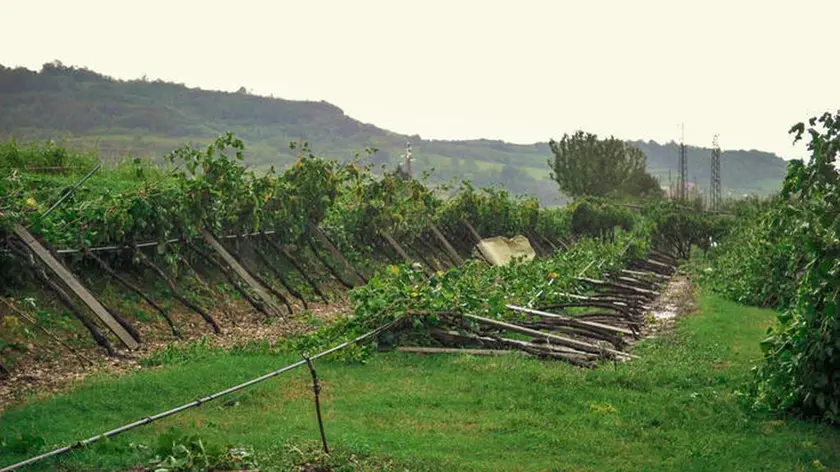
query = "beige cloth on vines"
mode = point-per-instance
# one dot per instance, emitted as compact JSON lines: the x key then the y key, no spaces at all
{"x":500,"y":250}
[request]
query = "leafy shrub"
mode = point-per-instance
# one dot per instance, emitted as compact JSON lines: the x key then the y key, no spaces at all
{"x":598,"y":219}
{"x":787,"y":253}
{"x":178,"y":452}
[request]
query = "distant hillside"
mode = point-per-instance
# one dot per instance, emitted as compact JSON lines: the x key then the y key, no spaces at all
{"x":150,"y":118}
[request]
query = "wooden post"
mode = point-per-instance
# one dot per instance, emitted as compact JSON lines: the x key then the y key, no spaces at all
{"x":451,"y":250}
{"x":286,"y":254}
{"x":64,"y":274}
{"x":571,"y":321}
{"x":104,"y":265}
{"x":262,"y":292}
{"x":396,"y":246}
{"x":477,"y":238}
{"x":316,"y":231}
{"x":562,"y":340}
{"x":472,"y":231}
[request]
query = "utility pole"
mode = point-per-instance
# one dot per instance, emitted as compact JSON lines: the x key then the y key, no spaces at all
{"x":714,"y":188}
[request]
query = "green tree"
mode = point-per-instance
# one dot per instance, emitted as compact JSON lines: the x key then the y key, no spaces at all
{"x":585,"y":165}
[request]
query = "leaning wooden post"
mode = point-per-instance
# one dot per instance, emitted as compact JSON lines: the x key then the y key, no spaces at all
{"x":41,"y":275}
{"x":316,"y":231}
{"x":324,"y":262}
{"x":393,"y":243}
{"x":176,"y":293}
{"x":231,"y":261}
{"x":286,"y":254}
{"x":473,"y":232}
{"x":451,"y":250}
{"x":62,"y":272}
{"x":279,"y":274}
{"x":107,"y":268}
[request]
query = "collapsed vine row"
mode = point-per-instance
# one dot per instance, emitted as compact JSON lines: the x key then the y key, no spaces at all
{"x":312,"y":231}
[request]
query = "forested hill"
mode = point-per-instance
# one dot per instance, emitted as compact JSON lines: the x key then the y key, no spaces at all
{"x":140,"y":117}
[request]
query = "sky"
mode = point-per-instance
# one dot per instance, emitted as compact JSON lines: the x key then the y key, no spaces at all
{"x":522,"y":71}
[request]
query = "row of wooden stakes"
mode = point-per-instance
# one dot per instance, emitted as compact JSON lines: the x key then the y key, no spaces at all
{"x":607,"y":320}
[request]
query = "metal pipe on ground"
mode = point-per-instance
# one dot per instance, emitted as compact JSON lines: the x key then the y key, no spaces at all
{"x":194,"y":403}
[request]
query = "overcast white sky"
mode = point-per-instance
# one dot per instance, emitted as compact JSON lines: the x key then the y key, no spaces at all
{"x":522,"y":71}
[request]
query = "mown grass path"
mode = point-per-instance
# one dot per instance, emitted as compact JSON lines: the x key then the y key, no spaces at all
{"x":674,"y":409}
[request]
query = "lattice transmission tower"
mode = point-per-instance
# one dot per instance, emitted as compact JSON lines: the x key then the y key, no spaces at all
{"x":714,"y":188}
{"x":407,"y":159}
{"x":682,"y":191}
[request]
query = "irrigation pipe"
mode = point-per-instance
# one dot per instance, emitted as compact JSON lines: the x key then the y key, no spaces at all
{"x":72,"y":189}
{"x":194,"y":403}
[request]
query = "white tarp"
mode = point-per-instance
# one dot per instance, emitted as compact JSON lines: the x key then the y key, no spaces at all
{"x":500,"y":250}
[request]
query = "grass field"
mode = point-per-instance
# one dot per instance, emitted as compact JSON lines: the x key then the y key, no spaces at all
{"x":674,"y":409}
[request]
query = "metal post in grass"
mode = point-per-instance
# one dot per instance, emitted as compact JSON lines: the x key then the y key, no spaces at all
{"x":316,"y":389}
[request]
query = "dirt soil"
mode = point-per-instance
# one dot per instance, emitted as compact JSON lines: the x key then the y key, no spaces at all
{"x":677,"y":299}
{"x":36,"y":375}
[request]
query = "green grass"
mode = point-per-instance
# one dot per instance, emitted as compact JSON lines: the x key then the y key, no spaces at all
{"x":674,"y":409}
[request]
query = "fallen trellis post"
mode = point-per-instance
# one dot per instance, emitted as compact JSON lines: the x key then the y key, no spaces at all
{"x":571,"y":321}
{"x":620,"y":286}
{"x":65,"y":275}
{"x":429,"y":265}
{"x":396,"y":246}
{"x":330,"y":268}
{"x":279,"y":248}
{"x":259,"y":278}
{"x":122,"y":280}
{"x":26,"y":317}
{"x":256,"y":303}
{"x":176,"y":293}
{"x":40,"y":274}
{"x":636,"y":273}
{"x":231,"y":261}
{"x":564,"y":341}
{"x":449,"y":249}
{"x":280,"y":277}
{"x":450,"y":350}
{"x":434,"y":254}
{"x":316,"y":231}
{"x":579,"y":358}
{"x":473,"y":232}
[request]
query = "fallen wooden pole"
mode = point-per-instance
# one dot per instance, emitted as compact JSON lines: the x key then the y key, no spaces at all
{"x":570,"y":320}
{"x":583,"y":346}
{"x":70,"y":280}
{"x":243,"y":273}
{"x":316,"y":231}
{"x":288,"y":256}
{"x":256,"y":303}
{"x":578,"y":358}
{"x":176,"y":293}
{"x":41,"y":275}
{"x":621,"y":286}
{"x":449,"y":249}
{"x":279,"y":274}
{"x":472,"y":231}
{"x":638,"y":273}
{"x":330,"y":268}
{"x":396,"y":247}
{"x":449,"y":350}
{"x":130,"y":286}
